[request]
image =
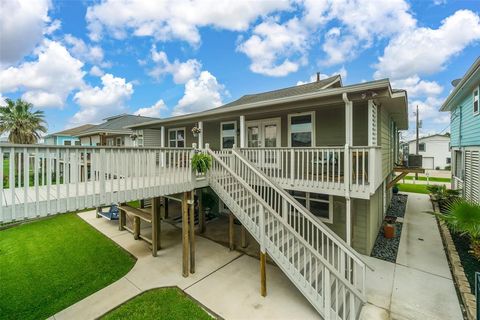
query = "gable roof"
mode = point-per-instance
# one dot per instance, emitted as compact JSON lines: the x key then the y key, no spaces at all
{"x":72,"y":131}
{"x":332,"y":88}
{"x":446,"y":135}
{"x":117,"y":124}
{"x":335,"y":81}
{"x":474,"y":69}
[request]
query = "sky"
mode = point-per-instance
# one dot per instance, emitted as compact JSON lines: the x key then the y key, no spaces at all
{"x":83,"y":61}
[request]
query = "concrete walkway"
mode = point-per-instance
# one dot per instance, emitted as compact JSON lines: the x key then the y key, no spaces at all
{"x":226,"y":282}
{"x":419,"y":286}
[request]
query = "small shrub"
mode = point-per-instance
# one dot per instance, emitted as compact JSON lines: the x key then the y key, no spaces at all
{"x":443,"y":195}
{"x":448,"y":168}
{"x":464,"y":217}
{"x":201,"y":162}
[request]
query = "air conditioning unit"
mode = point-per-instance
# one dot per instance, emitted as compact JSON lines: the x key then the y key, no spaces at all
{"x":415,"y":161}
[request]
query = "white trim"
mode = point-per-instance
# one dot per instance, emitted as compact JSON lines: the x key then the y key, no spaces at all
{"x":289,"y":123}
{"x":261,"y":127}
{"x":184,"y":137}
{"x":242,"y":132}
{"x":234,"y":135}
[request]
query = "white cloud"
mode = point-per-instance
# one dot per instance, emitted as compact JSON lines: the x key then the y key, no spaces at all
{"x":276,"y":49}
{"x":424,"y":51}
{"x":96,"y":71}
{"x":22,"y":26}
{"x":181,"y":19}
{"x":180,"y":71}
{"x":152,"y":111}
{"x":3,"y":102}
{"x":48,"y":81}
{"x":417,"y":87}
{"x":83,"y":51}
{"x":200,"y":94}
{"x":279,"y":48}
{"x":97,"y":103}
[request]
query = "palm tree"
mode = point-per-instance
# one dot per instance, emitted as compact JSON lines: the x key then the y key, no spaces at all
{"x":22,"y":124}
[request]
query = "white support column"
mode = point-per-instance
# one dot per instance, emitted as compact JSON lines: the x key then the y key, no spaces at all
{"x":242,"y":131}
{"x":162,"y":137}
{"x":162,"y":144}
{"x":348,"y":238}
{"x":348,"y":164}
{"x":348,"y":120}
{"x":200,"y":135}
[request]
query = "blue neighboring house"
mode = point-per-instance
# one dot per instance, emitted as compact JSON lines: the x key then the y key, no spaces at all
{"x":67,"y":137}
{"x":464,"y":107}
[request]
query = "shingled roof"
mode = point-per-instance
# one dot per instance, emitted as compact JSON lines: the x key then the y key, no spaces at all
{"x":330,"y":82}
{"x":118,"y":123}
{"x":72,"y":131}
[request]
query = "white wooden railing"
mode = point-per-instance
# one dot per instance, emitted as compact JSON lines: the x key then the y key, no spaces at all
{"x":325,"y":269}
{"x":318,"y":167}
{"x":38,"y":180}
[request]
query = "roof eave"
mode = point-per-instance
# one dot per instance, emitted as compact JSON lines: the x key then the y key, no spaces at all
{"x":319,"y":94}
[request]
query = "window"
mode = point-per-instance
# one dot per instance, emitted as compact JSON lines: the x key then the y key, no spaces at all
{"x":120,"y":141}
{"x":110,"y":142}
{"x":77,"y":143}
{"x":176,"y":138}
{"x":449,"y":160}
{"x":321,"y":205}
{"x":421,"y":147}
{"x":228,"y":131}
{"x":475,"y":101}
{"x":301,"y":129}
{"x":67,"y":143}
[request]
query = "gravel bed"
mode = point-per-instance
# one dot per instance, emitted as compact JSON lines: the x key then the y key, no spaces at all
{"x":387,"y":249}
{"x":398,"y":205}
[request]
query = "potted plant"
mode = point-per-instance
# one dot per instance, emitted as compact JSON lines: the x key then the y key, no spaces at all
{"x":395,"y":188}
{"x":201,"y":162}
{"x":464,"y":217}
{"x":196,"y":131}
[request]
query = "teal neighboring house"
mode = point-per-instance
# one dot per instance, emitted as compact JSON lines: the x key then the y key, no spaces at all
{"x":464,"y":107}
{"x":67,"y":137}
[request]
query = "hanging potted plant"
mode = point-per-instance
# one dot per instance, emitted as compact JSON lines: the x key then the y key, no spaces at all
{"x":196,"y":131}
{"x":201,"y":162}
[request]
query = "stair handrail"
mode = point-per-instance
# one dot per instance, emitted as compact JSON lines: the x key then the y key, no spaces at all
{"x":339,"y":241}
{"x":325,"y":262}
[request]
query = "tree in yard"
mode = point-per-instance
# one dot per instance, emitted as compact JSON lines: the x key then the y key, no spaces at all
{"x":22,"y":124}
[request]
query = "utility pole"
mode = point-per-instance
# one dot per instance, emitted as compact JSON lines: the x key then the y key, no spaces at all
{"x":417,"y":125}
{"x":416,"y":113}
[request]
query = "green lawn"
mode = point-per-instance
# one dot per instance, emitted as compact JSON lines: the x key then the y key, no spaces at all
{"x":48,"y":265}
{"x":164,"y":303}
{"x":416,"y":188}
{"x":432,"y":179}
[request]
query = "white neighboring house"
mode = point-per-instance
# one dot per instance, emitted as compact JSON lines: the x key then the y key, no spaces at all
{"x":434,"y":149}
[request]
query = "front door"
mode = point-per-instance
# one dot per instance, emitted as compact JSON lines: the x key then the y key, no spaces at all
{"x":264,"y":134}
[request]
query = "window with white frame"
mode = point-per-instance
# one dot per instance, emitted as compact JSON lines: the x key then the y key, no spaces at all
{"x":301,"y":131}
{"x":228,"y":132}
{"x":449,"y":160}
{"x":458,"y":170}
{"x":176,"y":138}
{"x":475,"y":101}
{"x":321,"y":205}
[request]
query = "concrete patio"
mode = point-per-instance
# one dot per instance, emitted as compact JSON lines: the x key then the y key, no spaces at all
{"x":418,"y":286}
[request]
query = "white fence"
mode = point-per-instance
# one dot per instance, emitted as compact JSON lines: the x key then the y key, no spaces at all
{"x":42,"y":180}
